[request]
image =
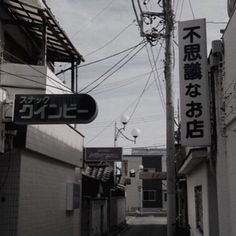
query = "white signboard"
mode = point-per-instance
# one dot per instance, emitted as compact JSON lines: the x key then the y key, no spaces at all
{"x":194,"y":93}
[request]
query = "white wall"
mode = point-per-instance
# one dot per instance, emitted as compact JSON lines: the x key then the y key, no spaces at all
{"x":227,"y":160}
{"x":42,"y":198}
{"x":132,"y":194}
{"x":198,"y":177}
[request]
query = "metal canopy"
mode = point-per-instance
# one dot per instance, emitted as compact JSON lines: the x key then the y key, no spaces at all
{"x":33,"y":16}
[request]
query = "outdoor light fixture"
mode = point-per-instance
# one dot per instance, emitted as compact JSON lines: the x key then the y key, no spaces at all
{"x":124,"y":119}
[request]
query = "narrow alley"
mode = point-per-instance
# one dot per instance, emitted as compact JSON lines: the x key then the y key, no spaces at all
{"x":145,"y":226}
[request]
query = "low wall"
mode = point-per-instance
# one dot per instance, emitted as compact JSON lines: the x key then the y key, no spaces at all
{"x":94,"y":217}
{"x":118,"y":214}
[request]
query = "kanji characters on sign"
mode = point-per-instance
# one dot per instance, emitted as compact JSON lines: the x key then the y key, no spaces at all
{"x":193,"y":84}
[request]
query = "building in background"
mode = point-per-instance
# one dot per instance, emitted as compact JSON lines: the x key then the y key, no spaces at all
{"x":145,"y":190}
{"x":40,"y":177}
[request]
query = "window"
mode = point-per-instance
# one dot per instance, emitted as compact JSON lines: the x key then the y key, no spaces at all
{"x":199,"y":208}
{"x":149,"y":195}
{"x":165,"y":197}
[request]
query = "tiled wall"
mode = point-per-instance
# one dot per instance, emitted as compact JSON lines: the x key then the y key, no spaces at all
{"x":33,"y":199}
{"x":42,"y":210}
{"x":9,"y":193}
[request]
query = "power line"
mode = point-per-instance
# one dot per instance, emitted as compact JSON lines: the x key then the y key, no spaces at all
{"x":93,"y":18}
{"x":158,"y":78}
{"x":191,"y":7}
{"x":35,"y":69}
{"x":108,"y":70}
{"x":102,"y":59}
{"x":116,"y":69}
{"x":31,"y":80}
{"x":110,"y":41}
{"x":217,"y":22}
{"x":137,"y":120}
{"x":111,"y":69}
{"x":112,"y":122}
{"x":108,"y":57}
{"x":117,"y":87}
{"x":181,"y":9}
{"x":155,"y":80}
{"x":140,"y":96}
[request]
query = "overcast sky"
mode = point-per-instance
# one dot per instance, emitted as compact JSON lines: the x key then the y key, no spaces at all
{"x":100,"y":28}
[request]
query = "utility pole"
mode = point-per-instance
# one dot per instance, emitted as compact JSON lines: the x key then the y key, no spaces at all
{"x":152,"y":36}
{"x":170,"y":145}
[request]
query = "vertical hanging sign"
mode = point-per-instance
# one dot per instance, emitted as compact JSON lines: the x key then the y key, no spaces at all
{"x":194,"y":92}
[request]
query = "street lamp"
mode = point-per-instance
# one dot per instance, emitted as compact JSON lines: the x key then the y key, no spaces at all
{"x":119,"y":131}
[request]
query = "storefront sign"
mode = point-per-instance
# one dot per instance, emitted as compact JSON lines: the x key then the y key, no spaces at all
{"x":153,"y":175}
{"x":194,"y":97}
{"x":54,"y":109}
{"x":103,"y":154}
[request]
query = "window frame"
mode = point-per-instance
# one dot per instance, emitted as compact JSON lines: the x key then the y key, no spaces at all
{"x":150,"y":191}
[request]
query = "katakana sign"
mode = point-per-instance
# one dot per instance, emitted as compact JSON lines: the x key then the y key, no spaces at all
{"x":194,"y":93}
{"x":54,"y":109}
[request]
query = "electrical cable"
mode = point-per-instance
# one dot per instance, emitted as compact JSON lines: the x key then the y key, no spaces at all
{"x":158,"y":78}
{"x":53,"y":78}
{"x":114,"y":88}
{"x":112,"y":122}
{"x":116,"y":69}
{"x":217,"y":22}
{"x":141,"y":95}
{"x":181,"y":10}
{"x":113,"y":71}
{"x":137,"y":120}
{"x":159,"y":90}
{"x":24,"y":78}
{"x":92,"y":19}
{"x":35,"y":69}
{"x":109,"y":69}
{"x":102,"y":59}
{"x":108,"y":57}
{"x":191,"y":7}
{"x":110,"y":41}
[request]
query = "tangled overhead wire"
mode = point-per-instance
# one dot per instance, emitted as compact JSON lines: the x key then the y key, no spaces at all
{"x":150,"y":22}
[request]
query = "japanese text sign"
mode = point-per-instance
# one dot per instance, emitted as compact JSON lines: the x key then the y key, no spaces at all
{"x":54,"y":109}
{"x":194,"y":93}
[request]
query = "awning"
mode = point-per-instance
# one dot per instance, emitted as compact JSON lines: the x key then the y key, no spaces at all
{"x":31,"y":15}
{"x":195,"y":157}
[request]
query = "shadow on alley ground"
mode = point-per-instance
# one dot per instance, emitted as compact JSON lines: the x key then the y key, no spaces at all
{"x":144,"y":226}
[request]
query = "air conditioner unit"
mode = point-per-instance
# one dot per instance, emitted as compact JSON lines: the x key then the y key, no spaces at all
{"x":216,"y":55}
{"x":217,"y":47}
{"x":73,"y":196}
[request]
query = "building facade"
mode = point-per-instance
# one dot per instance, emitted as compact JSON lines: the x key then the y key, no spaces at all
{"x":145,"y":193}
{"x":40,"y":165}
{"x":208,"y":172}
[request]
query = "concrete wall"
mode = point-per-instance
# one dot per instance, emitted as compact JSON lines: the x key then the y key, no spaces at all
{"x":94,"y":221}
{"x":117,"y":215}
{"x":9,"y":192}
{"x":198,"y":177}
